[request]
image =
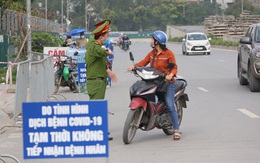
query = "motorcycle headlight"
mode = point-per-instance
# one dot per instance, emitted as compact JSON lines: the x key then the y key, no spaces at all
{"x":147,"y":75}
{"x":257,"y":54}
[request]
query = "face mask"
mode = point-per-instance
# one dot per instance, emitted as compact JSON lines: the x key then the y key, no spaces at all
{"x":81,"y":36}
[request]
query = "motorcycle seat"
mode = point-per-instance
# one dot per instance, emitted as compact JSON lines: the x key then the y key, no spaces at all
{"x":179,"y":84}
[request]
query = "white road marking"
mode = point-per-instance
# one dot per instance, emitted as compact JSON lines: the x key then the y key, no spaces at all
{"x":203,"y":89}
{"x":221,"y":60}
{"x":248,"y":113}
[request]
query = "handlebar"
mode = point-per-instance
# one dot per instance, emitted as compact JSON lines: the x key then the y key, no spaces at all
{"x":155,"y":72}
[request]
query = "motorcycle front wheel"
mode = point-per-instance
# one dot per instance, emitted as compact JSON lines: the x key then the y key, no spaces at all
{"x":179,"y":109}
{"x":73,"y":86}
{"x":131,"y":125}
{"x":57,"y":83}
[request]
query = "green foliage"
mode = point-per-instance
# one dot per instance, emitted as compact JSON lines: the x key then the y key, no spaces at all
{"x":219,"y":41}
{"x":44,"y":39}
{"x":131,"y":15}
{"x":175,"y":39}
{"x":3,"y":75}
{"x":16,"y":5}
{"x":214,"y":41}
{"x":235,"y":9}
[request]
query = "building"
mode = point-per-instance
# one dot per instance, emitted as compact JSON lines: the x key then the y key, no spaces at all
{"x":255,"y":3}
{"x":224,"y":3}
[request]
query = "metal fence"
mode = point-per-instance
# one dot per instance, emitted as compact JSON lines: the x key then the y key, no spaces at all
{"x":22,"y":82}
{"x":34,"y":82}
{"x":41,"y":79}
{"x":12,"y":22}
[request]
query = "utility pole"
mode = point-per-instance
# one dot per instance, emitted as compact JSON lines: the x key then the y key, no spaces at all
{"x":29,"y":41}
{"x":62,"y":16}
{"x":86,"y":15}
{"x":242,"y":7}
{"x":68,"y":9}
{"x":46,"y":12}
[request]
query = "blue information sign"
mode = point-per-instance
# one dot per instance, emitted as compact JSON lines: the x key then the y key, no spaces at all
{"x":65,"y":129}
{"x":82,"y":72}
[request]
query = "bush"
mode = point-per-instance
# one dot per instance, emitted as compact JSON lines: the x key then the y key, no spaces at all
{"x":3,"y":75}
{"x":214,"y":41}
{"x":44,"y":39}
{"x":176,"y":39}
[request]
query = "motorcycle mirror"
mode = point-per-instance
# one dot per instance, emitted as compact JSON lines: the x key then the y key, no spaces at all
{"x":131,"y":56}
{"x":171,"y":65}
{"x":76,"y":53}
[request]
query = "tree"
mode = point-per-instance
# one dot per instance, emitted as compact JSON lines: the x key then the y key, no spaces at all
{"x":44,"y":39}
{"x":236,"y":8}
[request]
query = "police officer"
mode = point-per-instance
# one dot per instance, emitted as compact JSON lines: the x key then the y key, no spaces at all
{"x":96,"y":62}
{"x":96,"y":58}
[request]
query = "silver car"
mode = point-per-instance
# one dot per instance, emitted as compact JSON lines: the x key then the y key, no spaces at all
{"x":196,"y":42}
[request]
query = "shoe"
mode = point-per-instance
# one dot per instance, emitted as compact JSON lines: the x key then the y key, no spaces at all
{"x":110,"y":138}
{"x":176,"y":135}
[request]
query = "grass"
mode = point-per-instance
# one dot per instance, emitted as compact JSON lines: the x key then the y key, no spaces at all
{"x":214,"y":41}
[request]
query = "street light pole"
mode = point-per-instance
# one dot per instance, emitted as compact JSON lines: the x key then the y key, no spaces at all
{"x":242,"y":7}
{"x":29,"y":41}
{"x":68,"y":9}
{"x":62,"y":16}
{"x":46,"y":10}
{"x":86,"y":15}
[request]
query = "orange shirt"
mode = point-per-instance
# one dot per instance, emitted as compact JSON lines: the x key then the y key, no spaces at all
{"x":161,"y":61}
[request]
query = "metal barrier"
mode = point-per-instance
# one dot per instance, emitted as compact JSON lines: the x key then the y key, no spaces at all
{"x":22,"y":82}
{"x":34,"y":82}
{"x":41,"y":79}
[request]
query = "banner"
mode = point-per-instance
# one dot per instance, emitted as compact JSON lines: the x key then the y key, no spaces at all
{"x":65,"y":129}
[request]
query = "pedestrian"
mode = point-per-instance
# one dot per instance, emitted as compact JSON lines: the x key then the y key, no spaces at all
{"x":159,"y":58}
{"x":96,"y":62}
{"x":81,"y":42}
{"x":68,"y":41}
{"x":108,"y":44}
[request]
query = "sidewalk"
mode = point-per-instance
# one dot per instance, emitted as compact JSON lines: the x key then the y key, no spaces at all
{"x":7,"y":104}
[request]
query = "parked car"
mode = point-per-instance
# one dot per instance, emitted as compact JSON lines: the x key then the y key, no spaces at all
{"x":196,"y":42}
{"x":248,"y":60}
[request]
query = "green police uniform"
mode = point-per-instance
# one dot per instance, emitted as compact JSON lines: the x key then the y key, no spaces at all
{"x":96,"y":58}
{"x":96,"y":70}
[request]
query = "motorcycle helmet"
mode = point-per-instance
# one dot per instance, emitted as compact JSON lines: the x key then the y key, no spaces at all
{"x":160,"y":36}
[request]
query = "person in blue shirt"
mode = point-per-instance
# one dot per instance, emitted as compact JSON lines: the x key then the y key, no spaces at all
{"x":108,"y":44}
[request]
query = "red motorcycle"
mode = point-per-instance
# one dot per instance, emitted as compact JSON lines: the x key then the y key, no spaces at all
{"x":147,"y":107}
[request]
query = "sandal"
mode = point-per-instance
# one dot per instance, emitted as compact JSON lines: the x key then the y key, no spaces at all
{"x":176,"y":135}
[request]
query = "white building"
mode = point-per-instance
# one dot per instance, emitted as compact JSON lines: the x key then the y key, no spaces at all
{"x":224,"y":3}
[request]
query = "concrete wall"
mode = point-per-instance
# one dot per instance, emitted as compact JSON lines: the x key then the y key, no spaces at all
{"x":180,"y":31}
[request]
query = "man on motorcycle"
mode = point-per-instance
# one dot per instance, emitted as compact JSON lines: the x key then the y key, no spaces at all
{"x":159,"y":58}
{"x":123,"y":38}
